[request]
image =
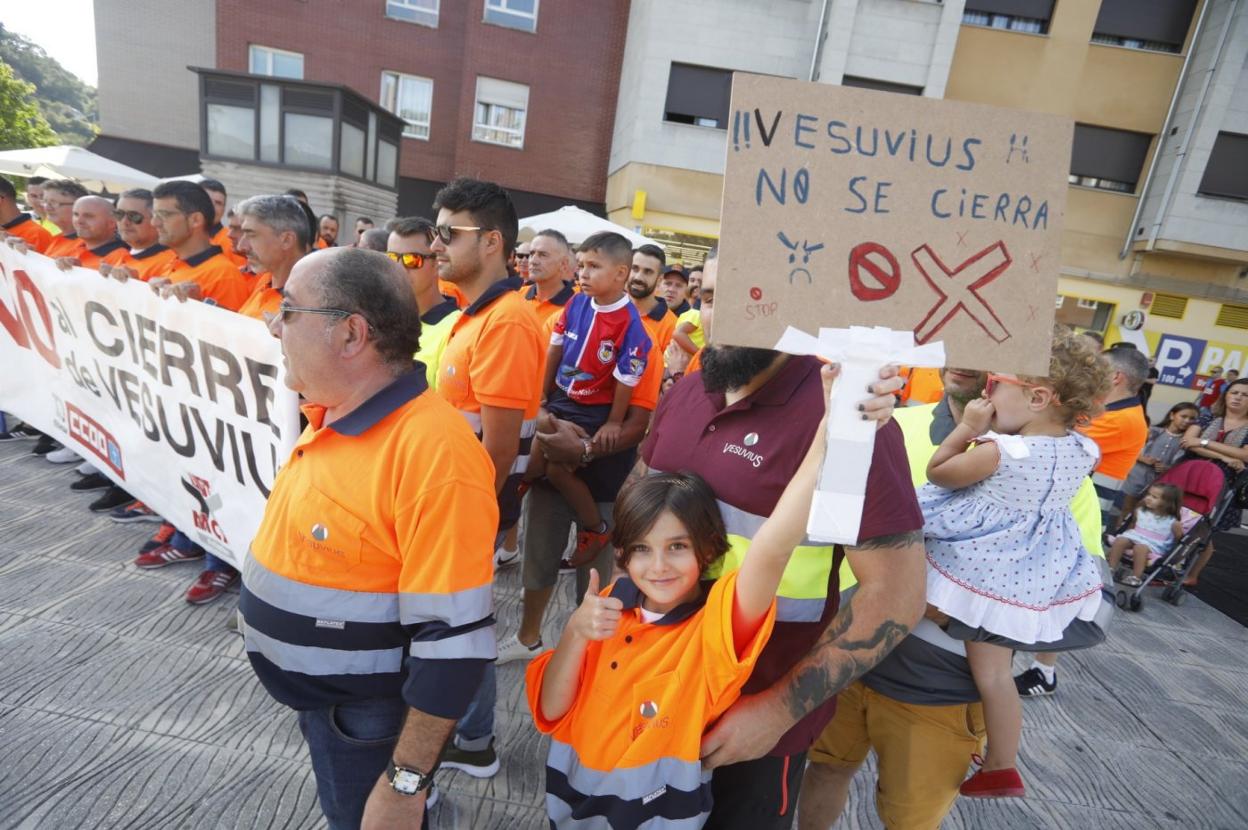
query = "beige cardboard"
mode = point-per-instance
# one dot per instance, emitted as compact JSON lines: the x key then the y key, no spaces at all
{"x":816,"y":231}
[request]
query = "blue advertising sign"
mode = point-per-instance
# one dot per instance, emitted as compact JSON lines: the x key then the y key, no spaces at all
{"x":1177,"y":360}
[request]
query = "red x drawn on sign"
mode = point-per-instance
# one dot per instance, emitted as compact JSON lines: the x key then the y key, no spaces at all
{"x":958,"y":288}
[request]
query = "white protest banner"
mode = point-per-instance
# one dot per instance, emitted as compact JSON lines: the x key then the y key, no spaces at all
{"x":182,"y":404}
{"x":849,"y":207}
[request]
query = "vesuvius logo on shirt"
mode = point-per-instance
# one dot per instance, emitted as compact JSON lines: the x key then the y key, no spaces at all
{"x":742,"y":451}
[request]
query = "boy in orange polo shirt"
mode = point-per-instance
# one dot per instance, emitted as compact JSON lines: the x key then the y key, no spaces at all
{"x":644,"y":667}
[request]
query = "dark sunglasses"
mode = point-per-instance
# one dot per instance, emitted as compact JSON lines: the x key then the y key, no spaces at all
{"x":134,"y":216}
{"x":445,"y":233}
{"x":522,"y":256}
{"x":410,"y":260}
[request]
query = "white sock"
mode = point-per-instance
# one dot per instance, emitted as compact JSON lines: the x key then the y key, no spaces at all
{"x":1049,"y":672}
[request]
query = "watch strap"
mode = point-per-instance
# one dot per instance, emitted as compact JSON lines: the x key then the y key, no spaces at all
{"x":392,"y":769}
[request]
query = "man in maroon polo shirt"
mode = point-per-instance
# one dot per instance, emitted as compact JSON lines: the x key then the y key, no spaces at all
{"x":744,"y":423}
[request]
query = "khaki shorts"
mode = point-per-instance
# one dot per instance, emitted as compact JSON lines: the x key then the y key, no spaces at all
{"x":924,"y":752}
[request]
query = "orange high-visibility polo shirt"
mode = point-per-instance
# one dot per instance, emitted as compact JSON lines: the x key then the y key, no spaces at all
{"x":218,"y":278}
{"x":36,"y":236}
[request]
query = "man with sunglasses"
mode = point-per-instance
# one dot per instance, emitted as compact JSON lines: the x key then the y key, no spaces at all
{"x":183,"y":215}
{"x":147,"y":257}
{"x":20,"y":225}
{"x":408,"y":245}
{"x":491,"y":372}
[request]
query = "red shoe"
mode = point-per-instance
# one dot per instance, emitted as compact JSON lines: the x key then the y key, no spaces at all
{"x":588,"y":544}
{"x":166,"y":555}
{"x":209,"y":586}
{"x":997,"y":783}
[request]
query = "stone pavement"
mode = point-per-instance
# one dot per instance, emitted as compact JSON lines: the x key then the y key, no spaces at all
{"x":123,"y":707}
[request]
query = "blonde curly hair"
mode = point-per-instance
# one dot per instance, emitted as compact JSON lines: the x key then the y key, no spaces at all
{"x":1079,"y":376}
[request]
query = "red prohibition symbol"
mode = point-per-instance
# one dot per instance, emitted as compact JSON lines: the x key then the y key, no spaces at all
{"x":756,"y":293}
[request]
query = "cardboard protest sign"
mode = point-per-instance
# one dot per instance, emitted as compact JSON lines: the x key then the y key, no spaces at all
{"x":846,"y":207}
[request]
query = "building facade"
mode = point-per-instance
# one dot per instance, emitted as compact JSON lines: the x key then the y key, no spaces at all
{"x":522,"y":92}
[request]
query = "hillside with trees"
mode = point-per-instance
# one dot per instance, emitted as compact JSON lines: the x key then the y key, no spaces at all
{"x":67,"y":104}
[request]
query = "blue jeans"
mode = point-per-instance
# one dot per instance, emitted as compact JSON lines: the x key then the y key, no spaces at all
{"x":350,"y":745}
{"x":212,"y":563}
{"x":476,"y":727}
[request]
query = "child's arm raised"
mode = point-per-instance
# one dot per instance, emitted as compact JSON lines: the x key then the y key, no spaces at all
{"x":596,"y":618}
{"x":773,"y":544}
{"x":952,"y":466}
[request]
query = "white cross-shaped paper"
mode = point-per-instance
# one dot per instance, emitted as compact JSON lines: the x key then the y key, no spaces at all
{"x":836,"y":510}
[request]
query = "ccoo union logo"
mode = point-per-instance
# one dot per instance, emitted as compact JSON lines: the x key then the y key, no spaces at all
{"x":207,"y":503}
{"x":87,"y":431}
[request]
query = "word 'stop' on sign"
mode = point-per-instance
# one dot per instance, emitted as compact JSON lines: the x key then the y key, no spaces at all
{"x":852,"y":207}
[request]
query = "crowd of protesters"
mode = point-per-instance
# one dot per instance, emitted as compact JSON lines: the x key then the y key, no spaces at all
{"x":565,"y":408}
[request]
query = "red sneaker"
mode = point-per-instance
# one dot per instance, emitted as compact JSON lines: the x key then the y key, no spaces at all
{"x":164,"y":555}
{"x":996,"y":783}
{"x":588,"y":544}
{"x":209,"y":586}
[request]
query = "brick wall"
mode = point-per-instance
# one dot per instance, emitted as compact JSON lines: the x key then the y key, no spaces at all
{"x":571,"y":65}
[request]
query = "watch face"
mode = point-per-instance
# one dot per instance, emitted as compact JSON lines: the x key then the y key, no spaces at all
{"x":407,"y":782}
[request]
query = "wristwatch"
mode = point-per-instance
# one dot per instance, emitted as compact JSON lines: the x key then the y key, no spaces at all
{"x":407,"y":781}
{"x":588,"y":455}
{"x":1204,"y":442}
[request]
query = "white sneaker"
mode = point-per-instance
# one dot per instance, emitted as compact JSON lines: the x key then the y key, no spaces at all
{"x":62,"y":456}
{"x":86,"y":468}
{"x":504,"y":558}
{"x":513,"y":650}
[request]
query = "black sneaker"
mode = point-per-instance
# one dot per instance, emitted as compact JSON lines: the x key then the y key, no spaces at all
{"x":480,"y":764}
{"x":1032,"y":683}
{"x":20,"y":433}
{"x":113,"y":497}
{"x":95,"y":481}
{"x":45,"y":445}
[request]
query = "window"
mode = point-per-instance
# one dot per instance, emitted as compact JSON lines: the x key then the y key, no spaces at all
{"x":1015,"y":15}
{"x":1226,"y":173}
{"x":276,"y":63}
{"x":1158,"y":26}
{"x":500,"y":111}
{"x":231,"y":131}
{"x":882,"y":86}
{"x":424,"y":12}
{"x":698,"y":95}
{"x":514,"y":14}
{"x":410,"y":98}
{"x":1107,"y":159}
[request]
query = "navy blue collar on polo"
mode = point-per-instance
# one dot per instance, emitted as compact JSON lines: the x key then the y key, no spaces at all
{"x":561,"y":296}
{"x":149,"y":252}
{"x":70,"y":235}
{"x":17,"y":220}
{"x":203,"y":256}
{"x":682,"y":308}
{"x":627,"y":592}
{"x":108,"y":247}
{"x":1125,"y":403}
{"x":439,"y":312}
{"x":659,"y":311}
{"x":492,"y":293}
{"x":215,"y":229}
{"x":402,"y":389}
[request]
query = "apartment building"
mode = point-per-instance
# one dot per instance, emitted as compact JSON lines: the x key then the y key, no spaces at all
{"x":518,"y":91}
{"x":1155,"y":246}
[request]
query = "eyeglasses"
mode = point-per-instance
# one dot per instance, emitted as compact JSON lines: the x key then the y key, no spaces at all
{"x":522,"y":256}
{"x":284,"y":310}
{"x":410,"y":260}
{"x":445,"y":233}
{"x":166,"y":215}
{"x":990,"y":384}
{"x":49,"y":203}
{"x":134,"y":216}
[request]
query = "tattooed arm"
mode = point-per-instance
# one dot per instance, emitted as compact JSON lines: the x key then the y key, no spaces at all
{"x":888,"y":602}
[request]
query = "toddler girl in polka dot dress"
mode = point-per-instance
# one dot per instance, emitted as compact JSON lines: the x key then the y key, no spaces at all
{"x":1004,"y":553}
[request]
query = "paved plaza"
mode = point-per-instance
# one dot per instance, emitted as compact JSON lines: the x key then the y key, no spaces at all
{"x":123,"y":707}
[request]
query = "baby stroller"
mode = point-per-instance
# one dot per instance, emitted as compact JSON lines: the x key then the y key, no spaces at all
{"x":1204,"y":502}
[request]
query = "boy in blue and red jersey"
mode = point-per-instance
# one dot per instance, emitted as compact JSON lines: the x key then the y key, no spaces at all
{"x":598,"y":352}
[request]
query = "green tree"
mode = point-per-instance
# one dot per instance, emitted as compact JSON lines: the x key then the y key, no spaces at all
{"x":21,"y":123}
